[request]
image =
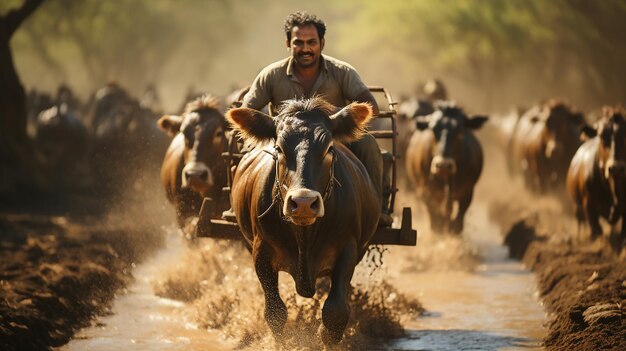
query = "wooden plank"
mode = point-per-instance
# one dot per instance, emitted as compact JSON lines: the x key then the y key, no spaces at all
{"x":221,"y":229}
{"x":405,"y":235}
{"x":383,"y":134}
{"x":386,"y":114}
{"x":218,"y":229}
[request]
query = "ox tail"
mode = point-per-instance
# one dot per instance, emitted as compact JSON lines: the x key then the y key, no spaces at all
{"x":305,"y":283}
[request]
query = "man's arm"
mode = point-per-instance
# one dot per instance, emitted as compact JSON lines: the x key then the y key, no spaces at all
{"x":258,"y":96}
{"x":366,"y":96}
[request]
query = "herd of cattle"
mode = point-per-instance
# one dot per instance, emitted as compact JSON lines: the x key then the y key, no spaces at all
{"x":560,"y":152}
{"x":304,"y":203}
{"x":555,"y":149}
{"x":102,"y":145}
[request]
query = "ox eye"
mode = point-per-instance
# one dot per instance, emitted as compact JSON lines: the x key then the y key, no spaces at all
{"x":278,"y":149}
{"x":219,"y":134}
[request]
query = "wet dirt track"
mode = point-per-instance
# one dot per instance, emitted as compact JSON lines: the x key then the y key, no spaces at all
{"x":475,"y":299}
{"x":473,"y":296}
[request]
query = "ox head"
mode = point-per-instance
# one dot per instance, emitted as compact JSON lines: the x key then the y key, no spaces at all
{"x":611,"y":130}
{"x":202,"y":126}
{"x":559,"y":137}
{"x":304,"y":133}
{"x":449,"y":125}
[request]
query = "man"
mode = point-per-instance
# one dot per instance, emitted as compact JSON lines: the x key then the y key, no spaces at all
{"x":307,"y":73}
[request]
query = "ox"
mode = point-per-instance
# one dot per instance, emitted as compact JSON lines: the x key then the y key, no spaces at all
{"x":543,"y":144}
{"x":61,"y":139}
{"x":444,"y":162}
{"x":305,"y":204}
{"x":193,"y":167}
{"x":597,"y":173}
{"x":127,"y":145}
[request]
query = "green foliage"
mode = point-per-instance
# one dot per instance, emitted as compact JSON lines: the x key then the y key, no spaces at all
{"x":479,"y":43}
{"x":475,"y":38}
{"x":124,"y":40}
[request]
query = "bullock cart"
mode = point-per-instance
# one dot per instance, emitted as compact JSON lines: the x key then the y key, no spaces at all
{"x":385,"y":131}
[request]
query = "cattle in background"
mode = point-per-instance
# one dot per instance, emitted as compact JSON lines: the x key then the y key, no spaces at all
{"x":151,"y":100}
{"x":597,"y":174}
{"x":61,"y":142}
{"x":193,"y":167}
{"x":444,"y":162}
{"x":305,"y":204}
{"x":127,"y":144}
{"x":543,"y":144}
{"x":36,"y":101}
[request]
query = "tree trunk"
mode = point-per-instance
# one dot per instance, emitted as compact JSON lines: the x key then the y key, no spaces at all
{"x":13,"y":139}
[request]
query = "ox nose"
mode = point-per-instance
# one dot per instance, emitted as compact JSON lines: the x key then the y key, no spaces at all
{"x":443,"y":166}
{"x":202,"y":175}
{"x":197,"y":176}
{"x":303,"y":206}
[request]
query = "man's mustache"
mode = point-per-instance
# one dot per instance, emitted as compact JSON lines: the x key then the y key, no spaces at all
{"x":305,"y":54}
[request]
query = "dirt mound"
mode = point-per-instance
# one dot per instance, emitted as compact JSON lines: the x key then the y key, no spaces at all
{"x":582,"y":283}
{"x":57,"y":273}
{"x":219,"y":278}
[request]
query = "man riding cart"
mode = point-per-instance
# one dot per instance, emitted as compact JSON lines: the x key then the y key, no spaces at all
{"x":307,"y":73}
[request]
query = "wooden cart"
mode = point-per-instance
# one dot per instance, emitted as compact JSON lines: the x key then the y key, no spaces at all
{"x":386,"y":131}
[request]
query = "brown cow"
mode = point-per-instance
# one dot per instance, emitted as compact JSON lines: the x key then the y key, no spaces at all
{"x":193,"y":167}
{"x":544,"y":142}
{"x":305,"y":203}
{"x":444,"y":161}
{"x":597,"y":174}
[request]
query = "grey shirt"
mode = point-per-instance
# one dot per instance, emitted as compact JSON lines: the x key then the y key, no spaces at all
{"x":337,"y":82}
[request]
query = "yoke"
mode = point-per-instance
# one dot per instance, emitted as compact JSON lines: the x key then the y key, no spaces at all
{"x":385,"y":131}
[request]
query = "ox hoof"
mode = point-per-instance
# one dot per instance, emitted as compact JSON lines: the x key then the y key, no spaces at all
{"x":276,"y":319}
{"x":330,"y":339}
{"x":334,"y":321}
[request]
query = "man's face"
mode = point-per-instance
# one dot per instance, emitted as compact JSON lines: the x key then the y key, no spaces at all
{"x":306,"y":46}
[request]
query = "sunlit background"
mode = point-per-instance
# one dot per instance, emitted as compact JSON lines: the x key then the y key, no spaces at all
{"x":491,"y":54}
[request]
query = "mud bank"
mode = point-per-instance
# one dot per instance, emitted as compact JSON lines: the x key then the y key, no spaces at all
{"x":57,"y":272}
{"x":582,"y":283}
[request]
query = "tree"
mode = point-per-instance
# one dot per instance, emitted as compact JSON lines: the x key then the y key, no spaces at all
{"x":13,"y":141}
{"x":569,"y":48}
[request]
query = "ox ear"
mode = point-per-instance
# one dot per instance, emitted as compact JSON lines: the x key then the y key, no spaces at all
{"x":475,"y":122}
{"x":252,"y":124}
{"x":350,"y":122}
{"x":170,"y":124}
{"x":422,"y":122}
{"x":587,"y":132}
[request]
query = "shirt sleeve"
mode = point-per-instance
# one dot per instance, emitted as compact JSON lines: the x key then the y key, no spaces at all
{"x":351,"y":82}
{"x":259,"y":94}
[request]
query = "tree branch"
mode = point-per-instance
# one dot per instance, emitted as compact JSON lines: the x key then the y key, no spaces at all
{"x":15,"y":17}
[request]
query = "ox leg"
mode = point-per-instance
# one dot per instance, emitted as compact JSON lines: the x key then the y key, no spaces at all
{"x":594,"y":220}
{"x":457,"y":225}
{"x":275,"y":309}
{"x":623,"y":228}
{"x":436,"y":220}
{"x":336,"y":312}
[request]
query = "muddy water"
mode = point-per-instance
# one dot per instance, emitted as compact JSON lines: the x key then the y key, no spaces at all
{"x":140,"y":320}
{"x":488,"y":302}
{"x":476,"y":299}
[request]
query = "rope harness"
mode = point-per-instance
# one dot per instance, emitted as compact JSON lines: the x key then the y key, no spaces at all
{"x":278,"y":196}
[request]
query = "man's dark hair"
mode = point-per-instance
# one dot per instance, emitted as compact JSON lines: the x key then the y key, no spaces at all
{"x":302,"y":18}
